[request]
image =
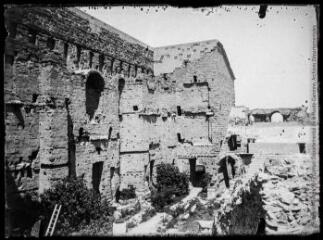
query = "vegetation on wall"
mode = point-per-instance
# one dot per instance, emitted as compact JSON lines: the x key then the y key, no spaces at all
{"x":171,"y":184}
{"x":81,"y":207}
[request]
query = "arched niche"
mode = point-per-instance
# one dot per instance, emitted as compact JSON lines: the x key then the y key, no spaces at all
{"x":94,"y":88}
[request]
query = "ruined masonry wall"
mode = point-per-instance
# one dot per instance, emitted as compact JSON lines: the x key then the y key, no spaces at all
{"x":151,"y":117}
{"x":49,"y":55}
{"x":68,"y":111}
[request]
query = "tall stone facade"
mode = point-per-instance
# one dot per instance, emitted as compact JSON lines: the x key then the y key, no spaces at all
{"x":81,"y":98}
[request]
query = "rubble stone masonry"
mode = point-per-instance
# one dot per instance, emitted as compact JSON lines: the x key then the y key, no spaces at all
{"x":82,"y":99}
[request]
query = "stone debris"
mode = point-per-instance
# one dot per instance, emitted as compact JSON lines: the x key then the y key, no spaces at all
{"x":291,"y":207}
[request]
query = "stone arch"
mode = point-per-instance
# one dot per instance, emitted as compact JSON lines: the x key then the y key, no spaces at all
{"x":94,"y":88}
{"x":276,"y":116}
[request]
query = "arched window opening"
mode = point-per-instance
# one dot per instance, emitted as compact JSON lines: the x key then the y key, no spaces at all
{"x":94,"y":87}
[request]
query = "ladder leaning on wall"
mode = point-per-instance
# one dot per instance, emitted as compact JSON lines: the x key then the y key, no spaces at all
{"x":53,"y":220}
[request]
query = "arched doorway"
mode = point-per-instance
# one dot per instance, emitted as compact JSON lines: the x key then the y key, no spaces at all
{"x":277,"y":117}
{"x":94,"y":87}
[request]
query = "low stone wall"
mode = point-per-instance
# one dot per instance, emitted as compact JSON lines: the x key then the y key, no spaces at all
{"x":279,"y":148}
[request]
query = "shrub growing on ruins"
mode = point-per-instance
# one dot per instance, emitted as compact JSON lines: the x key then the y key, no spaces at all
{"x":170,"y":184}
{"x":127,"y":193}
{"x":80,"y":205}
{"x":205,"y":181}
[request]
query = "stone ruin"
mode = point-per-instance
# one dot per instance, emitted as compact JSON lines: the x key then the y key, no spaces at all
{"x":85,"y":99}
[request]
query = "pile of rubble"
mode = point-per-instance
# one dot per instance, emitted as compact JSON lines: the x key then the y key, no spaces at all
{"x":241,"y":208}
{"x":290,"y":195}
{"x":281,"y":198}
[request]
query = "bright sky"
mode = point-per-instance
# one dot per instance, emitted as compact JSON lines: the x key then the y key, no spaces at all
{"x":270,"y":57}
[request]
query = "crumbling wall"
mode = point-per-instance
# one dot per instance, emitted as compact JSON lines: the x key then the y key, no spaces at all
{"x":91,"y":100}
{"x":180,"y":112}
{"x":53,"y":124}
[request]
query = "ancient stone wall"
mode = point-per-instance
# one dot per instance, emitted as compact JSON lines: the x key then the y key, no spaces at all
{"x":183,"y":114}
{"x":82,"y":99}
{"x":62,"y":69}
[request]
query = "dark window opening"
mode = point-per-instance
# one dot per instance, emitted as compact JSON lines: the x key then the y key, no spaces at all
{"x":33,"y":155}
{"x":120,"y":117}
{"x":96,"y":175}
{"x":98,"y":149}
{"x":29,"y":172}
{"x":112,"y":170}
{"x":135,"y":108}
{"x":302,"y":147}
{"x":165,"y":76}
{"x":50,"y":43}
{"x":91,"y":60}
{"x":121,"y":85}
{"x":136,"y":70}
{"x":110,"y":132}
{"x":65,"y":50}
{"x":179,"y":138}
{"x":111,"y":66}
{"x":195,"y":79}
{"x":179,"y":111}
{"x":78,"y":54}
{"x":27,"y":109}
{"x":35,"y":96}
{"x":81,"y":131}
{"x":209,"y":107}
{"x":94,"y":87}
{"x":232,"y":142}
{"x":101,"y":62}
{"x":151,"y":169}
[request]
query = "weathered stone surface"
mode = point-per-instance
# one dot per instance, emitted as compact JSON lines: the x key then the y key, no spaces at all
{"x":82,"y":100}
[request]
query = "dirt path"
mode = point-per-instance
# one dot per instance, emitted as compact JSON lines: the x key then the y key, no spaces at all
{"x":147,"y":228}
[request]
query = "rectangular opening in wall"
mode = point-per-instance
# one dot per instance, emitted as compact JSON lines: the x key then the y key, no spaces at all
{"x":135,"y":108}
{"x":101,"y":62}
{"x":195,"y":79}
{"x":302,"y":147}
{"x":91,"y":59}
{"x":50,"y":43}
{"x":78,"y":54}
{"x":179,"y":111}
{"x":96,"y":175}
{"x":112,"y":170}
{"x":151,"y":166}
{"x":29,"y":172}
{"x":179,"y":138}
{"x":65,"y":51}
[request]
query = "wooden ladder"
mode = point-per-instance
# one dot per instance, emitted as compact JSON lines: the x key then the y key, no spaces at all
{"x":53,"y":220}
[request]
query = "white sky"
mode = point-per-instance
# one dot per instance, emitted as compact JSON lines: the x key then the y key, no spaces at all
{"x":270,"y":57}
